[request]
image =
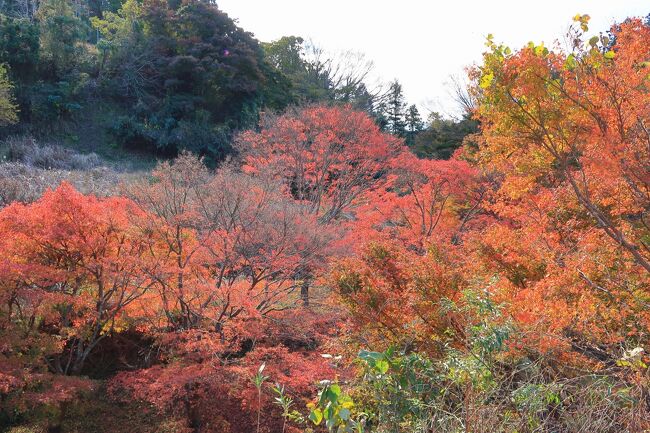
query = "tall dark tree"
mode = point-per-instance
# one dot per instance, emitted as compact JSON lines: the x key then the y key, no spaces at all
{"x":413,"y":124}
{"x":379,"y":115}
{"x":395,"y":110}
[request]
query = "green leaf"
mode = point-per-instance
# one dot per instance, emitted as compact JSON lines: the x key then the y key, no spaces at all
{"x":346,"y":402}
{"x":541,"y":50}
{"x":570,"y":63}
{"x":316,"y":416}
{"x":366,"y":355}
{"x":344,"y":414}
{"x":593,"y":41}
{"x":610,"y":54}
{"x":382,"y":366}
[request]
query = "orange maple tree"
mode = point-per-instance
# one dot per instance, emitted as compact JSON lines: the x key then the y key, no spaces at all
{"x":73,"y":266}
{"x":567,"y":133}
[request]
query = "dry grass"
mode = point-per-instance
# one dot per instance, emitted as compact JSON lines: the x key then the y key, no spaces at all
{"x":28,"y":169}
{"x":48,"y":156}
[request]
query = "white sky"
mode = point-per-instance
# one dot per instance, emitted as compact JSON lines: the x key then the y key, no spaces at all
{"x":423,"y":42}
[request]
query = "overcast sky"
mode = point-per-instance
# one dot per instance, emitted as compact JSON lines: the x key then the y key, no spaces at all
{"x":423,"y":42}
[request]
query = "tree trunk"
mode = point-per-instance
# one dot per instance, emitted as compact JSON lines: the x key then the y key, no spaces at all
{"x":304,"y":292}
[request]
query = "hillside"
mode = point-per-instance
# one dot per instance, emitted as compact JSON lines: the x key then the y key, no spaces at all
{"x":203,"y":232}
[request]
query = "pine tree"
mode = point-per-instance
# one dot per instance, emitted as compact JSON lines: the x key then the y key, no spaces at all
{"x":395,"y":110}
{"x":413,"y":124}
{"x":380,"y":116}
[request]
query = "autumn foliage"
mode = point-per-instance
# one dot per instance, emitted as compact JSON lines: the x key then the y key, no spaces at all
{"x":326,"y":157}
{"x":532,"y":249}
{"x":203,"y":267}
{"x":567,"y":133}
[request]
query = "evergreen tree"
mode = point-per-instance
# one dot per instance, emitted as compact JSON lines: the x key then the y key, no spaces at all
{"x":413,"y":124}
{"x":379,"y":115}
{"x":395,"y":108}
{"x":62,"y":33}
{"x":19,"y":46}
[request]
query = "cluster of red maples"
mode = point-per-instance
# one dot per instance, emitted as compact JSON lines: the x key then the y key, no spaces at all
{"x":548,"y":217}
{"x":204,"y":263}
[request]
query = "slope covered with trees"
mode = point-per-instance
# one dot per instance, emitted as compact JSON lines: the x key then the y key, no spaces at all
{"x":161,"y":77}
{"x":345,"y":269}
